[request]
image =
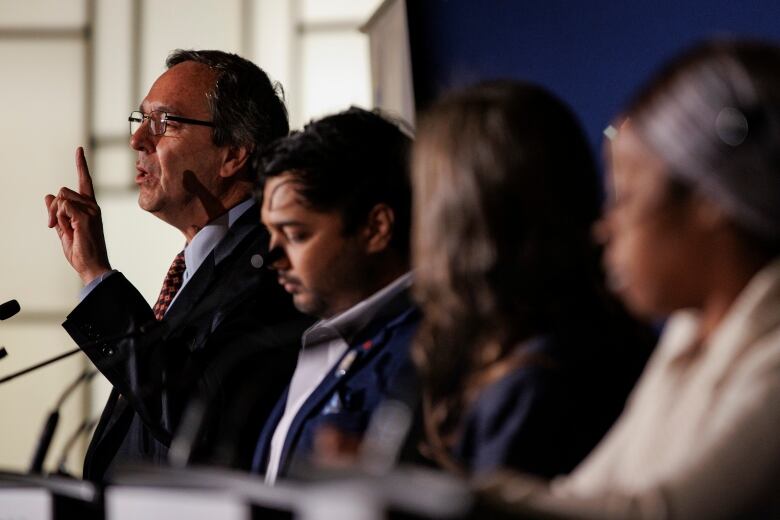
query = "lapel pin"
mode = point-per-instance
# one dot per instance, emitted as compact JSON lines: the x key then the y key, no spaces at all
{"x":346,"y":362}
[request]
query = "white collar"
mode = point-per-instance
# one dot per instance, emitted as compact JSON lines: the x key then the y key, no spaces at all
{"x":210,"y":235}
{"x":353,"y":320}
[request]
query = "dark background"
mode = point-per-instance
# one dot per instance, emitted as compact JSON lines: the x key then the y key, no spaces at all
{"x":593,"y":54}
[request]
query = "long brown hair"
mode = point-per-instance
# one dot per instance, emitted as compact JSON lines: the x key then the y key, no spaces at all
{"x":505,"y":195}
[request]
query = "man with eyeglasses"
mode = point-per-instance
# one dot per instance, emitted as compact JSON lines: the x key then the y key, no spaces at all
{"x":221,"y":323}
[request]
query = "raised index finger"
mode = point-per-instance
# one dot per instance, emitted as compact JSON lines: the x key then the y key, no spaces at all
{"x":85,"y":181}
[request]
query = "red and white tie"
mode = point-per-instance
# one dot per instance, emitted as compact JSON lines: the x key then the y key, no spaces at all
{"x":170,"y":287}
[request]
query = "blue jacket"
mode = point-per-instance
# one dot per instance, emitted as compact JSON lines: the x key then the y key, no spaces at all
{"x":545,"y":416}
{"x":381,"y":368}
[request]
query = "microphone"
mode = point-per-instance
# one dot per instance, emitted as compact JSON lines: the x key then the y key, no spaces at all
{"x":39,"y":365}
{"x":143,"y":329}
{"x":51,"y":423}
{"x":383,"y":441}
{"x":195,"y":418}
{"x":47,"y":434}
{"x":8,"y":309}
{"x":84,"y":428}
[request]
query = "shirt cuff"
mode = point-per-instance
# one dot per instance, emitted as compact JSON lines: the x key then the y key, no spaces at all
{"x":94,"y":283}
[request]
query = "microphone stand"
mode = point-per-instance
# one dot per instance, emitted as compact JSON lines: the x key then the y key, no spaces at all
{"x":85,"y":427}
{"x":51,"y":423}
{"x":7,"y":309}
{"x":39,"y":365}
{"x":47,"y":434}
{"x":195,"y":415}
{"x":143,"y":329}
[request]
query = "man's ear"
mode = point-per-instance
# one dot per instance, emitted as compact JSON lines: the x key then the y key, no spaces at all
{"x":234,"y":160}
{"x":379,"y":227}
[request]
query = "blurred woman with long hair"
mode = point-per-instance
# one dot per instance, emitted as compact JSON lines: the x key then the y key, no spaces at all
{"x":525,"y":358}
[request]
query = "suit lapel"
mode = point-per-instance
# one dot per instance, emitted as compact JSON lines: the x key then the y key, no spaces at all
{"x":248,"y":223}
{"x":263,"y":449}
{"x":363,"y":349}
{"x":193,"y":292}
{"x":197,"y":287}
{"x":353,"y":358}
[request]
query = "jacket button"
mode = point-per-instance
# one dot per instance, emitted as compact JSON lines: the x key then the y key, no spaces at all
{"x":108,"y":351}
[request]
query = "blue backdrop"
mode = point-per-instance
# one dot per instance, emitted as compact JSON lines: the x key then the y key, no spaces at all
{"x":593,"y":54}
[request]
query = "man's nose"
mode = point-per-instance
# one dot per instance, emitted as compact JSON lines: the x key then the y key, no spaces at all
{"x":142,"y":139}
{"x":277,"y":259}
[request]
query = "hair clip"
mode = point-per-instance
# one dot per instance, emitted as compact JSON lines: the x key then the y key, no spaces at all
{"x":731,"y":125}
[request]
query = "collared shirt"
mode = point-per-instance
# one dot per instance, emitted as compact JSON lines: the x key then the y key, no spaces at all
{"x":207,"y":239}
{"x":324,"y":343}
{"x":699,"y":435}
{"x":196,"y":251}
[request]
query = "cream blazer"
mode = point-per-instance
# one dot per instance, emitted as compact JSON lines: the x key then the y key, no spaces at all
{"x":700,"y":436}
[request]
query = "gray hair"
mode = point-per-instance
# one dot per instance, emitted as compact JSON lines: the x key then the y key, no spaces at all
{"x":713,"y":115}
{"x":247,"y":108}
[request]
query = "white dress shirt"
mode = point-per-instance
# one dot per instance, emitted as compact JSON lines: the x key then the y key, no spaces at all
{"x":324,"y":343}
{"x":196,"y":251}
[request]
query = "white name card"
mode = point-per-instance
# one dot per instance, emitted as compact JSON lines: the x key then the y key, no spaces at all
{"x":132,"y":503}
{"x":25,"y":504}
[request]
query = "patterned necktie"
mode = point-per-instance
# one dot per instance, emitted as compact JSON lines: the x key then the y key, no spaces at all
{"x":171,"y":286}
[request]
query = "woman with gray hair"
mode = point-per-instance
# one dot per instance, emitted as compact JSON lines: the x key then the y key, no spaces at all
{"x":693,"y":231}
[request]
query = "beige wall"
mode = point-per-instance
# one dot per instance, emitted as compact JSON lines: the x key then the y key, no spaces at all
{"x":72,"y":72}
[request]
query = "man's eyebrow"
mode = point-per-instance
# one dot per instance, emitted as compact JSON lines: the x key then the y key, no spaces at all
{"x":282,"y":224}
{"x":286,"y":223}
{"x":275,"y":190}
{"x":160,"y":108}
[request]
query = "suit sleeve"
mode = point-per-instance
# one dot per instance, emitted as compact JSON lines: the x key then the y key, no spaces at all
{"x":132,"y":365}
{"x":113,"y":309}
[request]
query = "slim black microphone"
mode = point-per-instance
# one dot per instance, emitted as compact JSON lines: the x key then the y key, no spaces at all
{"x":8,"y":309}
{"x":86,"y":426}
{"x":47,"y":434}
{"x":154,"y":326}
{"x":143,"y":329}
{"x":39,"y":365}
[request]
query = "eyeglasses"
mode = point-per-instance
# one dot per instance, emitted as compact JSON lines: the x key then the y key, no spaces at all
{"x":158,"y":121}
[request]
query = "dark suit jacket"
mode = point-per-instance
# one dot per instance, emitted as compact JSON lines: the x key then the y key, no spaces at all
{"x":545,"y":416}
{"x":230,"y":315}
{"x":381,"y":369}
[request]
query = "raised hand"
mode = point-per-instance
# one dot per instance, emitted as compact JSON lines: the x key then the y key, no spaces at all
{"x":77,"y":220}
